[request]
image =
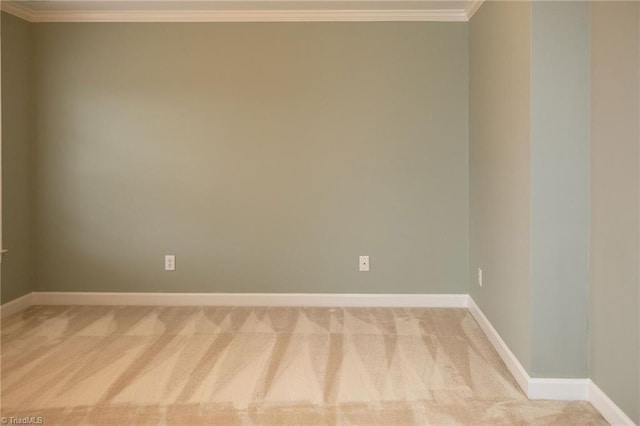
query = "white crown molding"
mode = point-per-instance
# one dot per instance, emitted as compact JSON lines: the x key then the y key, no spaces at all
{"x":252,"y":299}
{"x":256,"y":15}
{"x":472,"y":7}
{"x":16,"y":9}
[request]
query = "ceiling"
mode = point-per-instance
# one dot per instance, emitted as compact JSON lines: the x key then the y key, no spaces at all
{"x":240,"y":10}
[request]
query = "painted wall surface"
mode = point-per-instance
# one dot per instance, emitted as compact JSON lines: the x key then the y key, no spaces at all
{"x":499,"y":173}
{"x":17,"y":159}
{"x":265,"y":156}
{"x":560,"y":106}
{"x":614,"y":314}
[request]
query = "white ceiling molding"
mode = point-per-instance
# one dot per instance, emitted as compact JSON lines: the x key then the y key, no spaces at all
{"x":16,"y":9}
{"x":472,"y":7}
{"x":334,"y":14}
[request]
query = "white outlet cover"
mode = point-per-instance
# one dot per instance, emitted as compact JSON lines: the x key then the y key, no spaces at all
{"x":170,"y":262}
{"x":364,"y":263}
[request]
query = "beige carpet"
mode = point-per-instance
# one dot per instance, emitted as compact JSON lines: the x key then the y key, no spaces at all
{"x":262,"y":366}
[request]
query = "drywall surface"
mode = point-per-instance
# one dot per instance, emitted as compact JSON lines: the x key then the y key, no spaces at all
{"x":266,"y":156}
{"x":614,"y":314}
{"x":560,"y":108}
{"x":17,"y":159}
{"x":499,"y":172}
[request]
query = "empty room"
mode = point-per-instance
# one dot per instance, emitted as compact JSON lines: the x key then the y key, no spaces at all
{"x":331,"y":212}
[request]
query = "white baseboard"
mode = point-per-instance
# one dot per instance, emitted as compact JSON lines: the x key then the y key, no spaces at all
{"x":512,"y":363}
{"x":16,"y":305}
{"x":609,"y":410}
{"x":534,"y":388}
{"x":558,"y":389}
{"x":252,"y":299}
{"x":552,"y":389}
{"x":555,"y":389}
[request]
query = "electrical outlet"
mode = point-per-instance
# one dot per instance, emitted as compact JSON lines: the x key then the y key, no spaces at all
{"x":170,"y":262}
{"x":364,"y":263}
{"x":480,"y":277}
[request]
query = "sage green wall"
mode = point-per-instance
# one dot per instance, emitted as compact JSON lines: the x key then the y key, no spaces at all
{"x":500,"y":163}
{"x":17,"y":159}
{"x":529,"y":179}
{"x":614,"y":279}
{"x":265,"y":156}
{"x":560,"y":117}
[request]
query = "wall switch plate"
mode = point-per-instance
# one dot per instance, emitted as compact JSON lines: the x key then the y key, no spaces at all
{"x":170,"y":262}
{"x":480,"y":277}
{"x":364,"y":263}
